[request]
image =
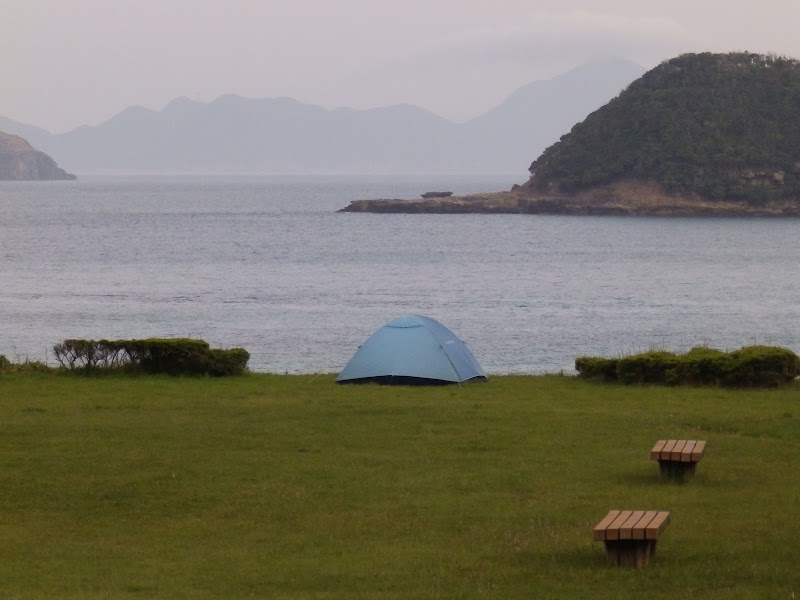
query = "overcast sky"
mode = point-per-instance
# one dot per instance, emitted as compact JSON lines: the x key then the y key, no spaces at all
{"x":67,"y":63}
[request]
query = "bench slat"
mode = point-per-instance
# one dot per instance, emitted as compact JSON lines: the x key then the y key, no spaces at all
{"x":657,"y":525}
{"x":626,"y":529}
{"x":655,"y":453}
{"x":677,"y":449}
{"x":612,"y":531}
{"x":698,"y":451}
{"x":599,"y":531}
{"x":639,"y":529}
{"x":686,"y":453}
{"x":667,"y":449}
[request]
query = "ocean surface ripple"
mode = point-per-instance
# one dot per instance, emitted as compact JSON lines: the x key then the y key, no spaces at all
{"x":266,"y":263}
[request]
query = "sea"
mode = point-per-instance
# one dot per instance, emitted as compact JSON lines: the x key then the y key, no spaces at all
{"x":268,"y":264}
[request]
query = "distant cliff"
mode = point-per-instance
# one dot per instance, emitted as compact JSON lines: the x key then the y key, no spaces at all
{"x":19,"y":161}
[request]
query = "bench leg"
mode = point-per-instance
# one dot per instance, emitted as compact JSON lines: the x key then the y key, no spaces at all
{"x":673,"y":470}
{"x":629,"y":553}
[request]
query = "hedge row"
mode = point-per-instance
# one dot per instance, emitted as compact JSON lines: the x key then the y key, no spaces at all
{"x":751,"y":366}
{"x":180,"y":356}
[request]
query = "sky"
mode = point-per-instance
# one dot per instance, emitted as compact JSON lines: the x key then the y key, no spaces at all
{"x":69,"y":63}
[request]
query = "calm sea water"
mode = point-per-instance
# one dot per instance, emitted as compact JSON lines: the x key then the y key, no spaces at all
{"x":269,"y":265}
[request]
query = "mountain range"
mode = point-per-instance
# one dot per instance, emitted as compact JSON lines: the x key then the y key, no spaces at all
{"x":233,"y":134}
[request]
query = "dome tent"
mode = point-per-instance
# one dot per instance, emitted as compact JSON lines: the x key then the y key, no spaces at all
{"x":413,"y":350}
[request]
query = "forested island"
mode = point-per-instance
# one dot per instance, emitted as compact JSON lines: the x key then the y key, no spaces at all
{"x":700,"y":134}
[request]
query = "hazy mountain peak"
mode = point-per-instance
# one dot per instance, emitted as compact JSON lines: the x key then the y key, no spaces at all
{"x":180,"y":103}
{"x":229,"y":99}
{"x":602,"y":66}
{"x":279,"y":135}
{"x":129,"y":115}
{"x":608,"y":74}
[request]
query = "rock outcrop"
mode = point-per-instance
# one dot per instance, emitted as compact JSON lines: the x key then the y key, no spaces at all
{"x":623,"y":198}
{"x":19,"y":161}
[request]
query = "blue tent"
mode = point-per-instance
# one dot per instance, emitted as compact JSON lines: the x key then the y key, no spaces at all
{"x":412,"y":350}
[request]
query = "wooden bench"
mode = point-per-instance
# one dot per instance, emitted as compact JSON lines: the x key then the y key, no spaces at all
{"x":630,"y":536}
{"x":677,"y":459}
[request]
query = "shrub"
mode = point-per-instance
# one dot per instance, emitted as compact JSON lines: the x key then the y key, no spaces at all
{"x":751,"y":366}
{"x":762,"y":366}
{"x":593,"y":367}
{"x":700,"y":366}
{"x":171,"y":356}
{"x":178,"y":356}
{"x":649,"y":367}
{"x":88,"y":355}
{"x":228,"y":362}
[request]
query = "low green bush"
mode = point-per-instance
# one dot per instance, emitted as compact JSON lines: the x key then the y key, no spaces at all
{"x":180,"y":356}
{"x":173,"y":356}
{"x":648,"y":367}
{"x":762,"y":366}
{"x":595,"y":367}
{"x":751,"y":366}
{"x":700,"y":366}
{"x":227,"y":362}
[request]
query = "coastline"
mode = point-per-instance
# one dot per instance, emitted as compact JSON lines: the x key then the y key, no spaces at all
{"x":622,"y":199}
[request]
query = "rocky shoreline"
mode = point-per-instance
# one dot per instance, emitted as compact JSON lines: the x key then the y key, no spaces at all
{"x":631,"y":199}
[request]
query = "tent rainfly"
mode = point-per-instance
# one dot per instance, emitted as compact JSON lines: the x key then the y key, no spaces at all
{"x":412,"y":350}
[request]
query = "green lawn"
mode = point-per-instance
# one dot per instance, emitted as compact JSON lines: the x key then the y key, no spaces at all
{"x":274,"y":486}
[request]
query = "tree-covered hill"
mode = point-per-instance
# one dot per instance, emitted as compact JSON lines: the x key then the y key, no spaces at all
{"x":719,"y":126}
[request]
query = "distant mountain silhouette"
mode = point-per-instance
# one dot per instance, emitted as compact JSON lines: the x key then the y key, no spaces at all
{"x":237,"y":135}
{"x":539,"y":113}
{"x":35,"y":136}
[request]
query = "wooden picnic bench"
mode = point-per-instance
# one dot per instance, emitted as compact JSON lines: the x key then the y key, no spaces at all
{"x":677,"y":459}
{"x":630,"y":536}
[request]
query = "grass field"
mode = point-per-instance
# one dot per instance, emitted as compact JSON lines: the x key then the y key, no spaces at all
{"x":269,"y":486}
